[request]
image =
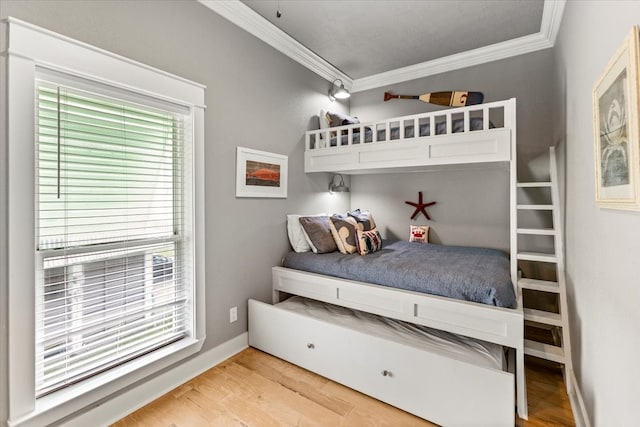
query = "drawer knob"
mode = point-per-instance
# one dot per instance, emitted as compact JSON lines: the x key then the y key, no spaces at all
{"x":311,"y":346}
{"x":386,"y":373}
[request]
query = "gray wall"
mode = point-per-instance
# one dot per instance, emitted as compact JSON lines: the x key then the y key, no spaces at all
{"x":246,"y":79}
{"x":602,"y":245}
{"x":256,"y":98}
{"x":473,"y":205}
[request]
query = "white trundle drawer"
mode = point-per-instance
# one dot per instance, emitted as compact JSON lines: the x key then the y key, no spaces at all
{"x":435,"y":387}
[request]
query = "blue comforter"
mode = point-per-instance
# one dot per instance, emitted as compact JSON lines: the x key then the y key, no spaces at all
{"x":465,"y":273}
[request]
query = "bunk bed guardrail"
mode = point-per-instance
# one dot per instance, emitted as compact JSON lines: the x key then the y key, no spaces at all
{"x":473,"y":134}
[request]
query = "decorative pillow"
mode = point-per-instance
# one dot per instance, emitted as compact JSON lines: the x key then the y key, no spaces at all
{"x":419,"y":233}
{"x":322,"y":118}
{"x":369,"y":241}
{"x":324,"y":123}
{"x":364,"y":219}
{"x":319,"y":234}
{"x":337,"y":119}
{"x":343,"y":229}
{"x":297,"y":236}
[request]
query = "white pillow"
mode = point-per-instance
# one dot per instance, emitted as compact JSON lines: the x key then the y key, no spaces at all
{"x":298,"y":238}
{"x":324,"y":124}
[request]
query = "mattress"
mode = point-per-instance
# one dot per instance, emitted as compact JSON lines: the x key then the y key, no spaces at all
{"x":465,"y":349}
{"x":466,"y":273}
{"x":409,"y":131}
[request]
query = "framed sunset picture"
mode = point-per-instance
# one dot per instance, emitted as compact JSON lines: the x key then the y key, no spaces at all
{"x":260,"y":174}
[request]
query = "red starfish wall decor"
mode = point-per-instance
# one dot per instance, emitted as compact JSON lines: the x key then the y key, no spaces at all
{"x":420,"y":207}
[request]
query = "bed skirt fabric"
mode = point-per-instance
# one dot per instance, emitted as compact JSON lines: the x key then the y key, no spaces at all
{"x":465,"y":273}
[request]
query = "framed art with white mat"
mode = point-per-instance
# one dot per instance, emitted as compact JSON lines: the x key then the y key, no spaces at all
{"x":260,"y":174}
{"x":616,"y":132}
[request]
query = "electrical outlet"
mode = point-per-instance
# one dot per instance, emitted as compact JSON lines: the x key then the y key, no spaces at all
{"x":233,"y":314}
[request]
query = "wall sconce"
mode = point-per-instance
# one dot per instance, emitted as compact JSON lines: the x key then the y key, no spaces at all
{"x":340,"y":93}
{"x":340,"y":187}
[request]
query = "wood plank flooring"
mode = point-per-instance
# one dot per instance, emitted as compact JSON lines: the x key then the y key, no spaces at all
{"x":256,"y":389}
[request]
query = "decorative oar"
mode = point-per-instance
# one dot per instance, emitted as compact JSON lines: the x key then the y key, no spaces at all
{"x":449,"y":99}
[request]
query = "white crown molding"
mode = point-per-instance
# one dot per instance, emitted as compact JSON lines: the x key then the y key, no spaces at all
{"x":550,"y":23}
{"x":244,"y":17}
{"x":551,"y":19}
{"x":469,"y":58}
{"x":250,"y":21}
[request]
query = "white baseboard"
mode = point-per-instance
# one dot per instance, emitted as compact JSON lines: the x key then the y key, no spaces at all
{"x":135,"y":398}
{"x":580,"y":414}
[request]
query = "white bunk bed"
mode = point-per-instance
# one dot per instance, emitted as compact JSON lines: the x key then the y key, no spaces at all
{"x":305,"y":341}
{"x":493,"y":140}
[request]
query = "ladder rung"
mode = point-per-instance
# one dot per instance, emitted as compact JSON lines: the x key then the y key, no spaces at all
{"x":537,"y":256}
{"x":538,"y":231}
{"x":539,"y":325}
{"x":544,"y":351}
{"x":545,"y":317}
{"x":533,"y":184}
{"x":536,"y":207}
{"x":539,"y":285}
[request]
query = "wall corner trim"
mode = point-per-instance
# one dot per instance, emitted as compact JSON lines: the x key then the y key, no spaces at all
{"x":140,"y":395}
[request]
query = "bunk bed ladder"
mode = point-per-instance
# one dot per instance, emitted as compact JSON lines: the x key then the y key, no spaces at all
{"x":549,"y":318}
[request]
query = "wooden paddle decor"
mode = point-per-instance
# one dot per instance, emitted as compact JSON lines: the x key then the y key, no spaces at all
{"x":449,"y":99}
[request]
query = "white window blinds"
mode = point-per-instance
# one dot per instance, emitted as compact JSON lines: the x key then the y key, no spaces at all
{"x":111,"y":282}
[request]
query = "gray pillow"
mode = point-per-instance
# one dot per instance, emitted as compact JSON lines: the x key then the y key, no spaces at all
{"x":319,"y":233}
{"x":337,"y":119}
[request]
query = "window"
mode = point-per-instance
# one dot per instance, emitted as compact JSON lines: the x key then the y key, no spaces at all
{"x":109,"y":232}
{"x":105,"y":218}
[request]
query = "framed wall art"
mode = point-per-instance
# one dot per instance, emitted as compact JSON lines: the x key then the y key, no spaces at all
{"x":616,"y":129}
{"x":260,"y":174}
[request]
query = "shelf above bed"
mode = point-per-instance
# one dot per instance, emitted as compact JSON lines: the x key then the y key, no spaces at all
{"x":477,"y":134}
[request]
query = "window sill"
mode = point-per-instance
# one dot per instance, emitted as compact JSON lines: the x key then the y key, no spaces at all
{"x":63,"y":403}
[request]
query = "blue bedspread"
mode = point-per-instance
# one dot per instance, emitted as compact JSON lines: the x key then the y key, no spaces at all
{"x":466,"y":273}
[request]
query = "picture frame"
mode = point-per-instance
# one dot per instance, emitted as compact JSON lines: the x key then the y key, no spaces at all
{"x":261,"y":174}
{"x":616,"y":130}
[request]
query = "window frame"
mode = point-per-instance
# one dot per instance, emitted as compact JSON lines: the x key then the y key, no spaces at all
{"x":28,"y":50}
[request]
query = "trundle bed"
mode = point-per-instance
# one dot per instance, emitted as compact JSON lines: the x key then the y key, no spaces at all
{"x":451,"y":387}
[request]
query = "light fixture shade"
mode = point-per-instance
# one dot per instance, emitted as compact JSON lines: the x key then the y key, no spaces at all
{"x":340,"y":187}
{"x":340,"y":92}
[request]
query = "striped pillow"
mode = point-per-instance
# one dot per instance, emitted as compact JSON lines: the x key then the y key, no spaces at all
{"x":369,"y":241}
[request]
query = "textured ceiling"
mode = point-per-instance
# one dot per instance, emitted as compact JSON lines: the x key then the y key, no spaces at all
{"x":363,"y":38}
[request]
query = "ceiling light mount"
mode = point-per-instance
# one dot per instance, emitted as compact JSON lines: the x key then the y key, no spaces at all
{"x":340,"y":92}
{"x":278,"y":14}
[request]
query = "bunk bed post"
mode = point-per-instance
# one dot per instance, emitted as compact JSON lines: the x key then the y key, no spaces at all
{"x":467,"y":121}
{"x":521,"y":385}
{"x":510,"y":118}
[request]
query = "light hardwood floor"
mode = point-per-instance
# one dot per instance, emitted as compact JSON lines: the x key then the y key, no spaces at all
{"x":256,"y":389}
